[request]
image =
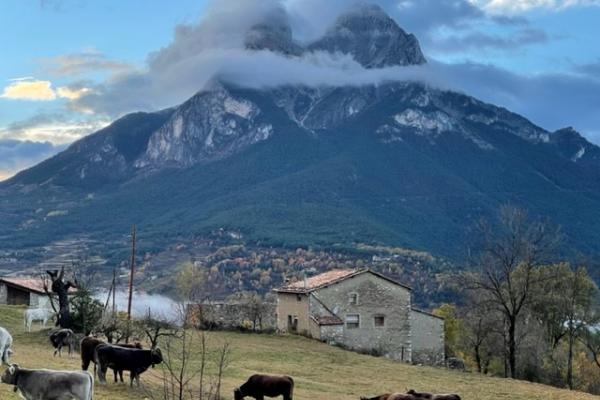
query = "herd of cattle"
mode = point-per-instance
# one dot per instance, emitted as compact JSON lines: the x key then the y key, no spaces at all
{"x":45,"y":384}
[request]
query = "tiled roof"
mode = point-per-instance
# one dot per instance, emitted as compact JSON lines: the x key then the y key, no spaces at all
{"x":317,"y":281}
{"x":328,"y":320}
{"x":35,"y":285}
{"x":427,"y":313}
{"x":328,"y":278}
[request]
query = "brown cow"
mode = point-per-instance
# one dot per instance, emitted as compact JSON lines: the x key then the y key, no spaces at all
{"x":261,"y":386}
{"x":430,"y":396}
{"x":391,"y":396}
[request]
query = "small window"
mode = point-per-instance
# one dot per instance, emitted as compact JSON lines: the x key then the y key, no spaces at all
{"x":299,"y":297}
{"x":353,"y":299}
{"x":352,"y":321}
{"x":379,"y":321}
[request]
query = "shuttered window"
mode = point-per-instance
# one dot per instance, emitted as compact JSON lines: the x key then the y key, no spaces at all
{"x":352,"y":321}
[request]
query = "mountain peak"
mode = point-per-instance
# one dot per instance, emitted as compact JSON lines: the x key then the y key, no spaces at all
{"x":375,"y":40}
{"x":273,"y":34}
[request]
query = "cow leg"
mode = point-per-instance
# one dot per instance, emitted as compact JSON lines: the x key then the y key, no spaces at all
{"x":121,"y":375}
{"x":85,"y":364}
{"x":102,"y":373}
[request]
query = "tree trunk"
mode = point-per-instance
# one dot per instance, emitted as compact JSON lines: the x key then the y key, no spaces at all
{"x":61,"y":289}
{"x":512,"y":346}
{"x":478,"y":358}
{"x":570,"y":361}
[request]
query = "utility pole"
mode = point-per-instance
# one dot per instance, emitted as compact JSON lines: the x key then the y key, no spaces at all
{"x":114,"y":289}
{"x":133,"y":234}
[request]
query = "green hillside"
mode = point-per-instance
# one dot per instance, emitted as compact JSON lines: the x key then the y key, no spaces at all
{"x":321,"y":372}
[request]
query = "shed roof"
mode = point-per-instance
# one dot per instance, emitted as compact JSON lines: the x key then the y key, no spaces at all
{"x":34,"y":285}
{"x":329,"y":278}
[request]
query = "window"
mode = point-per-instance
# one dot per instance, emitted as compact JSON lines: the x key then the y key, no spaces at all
{"x":352,"y":321}
{"x":353,"y":299}
{"x":379,"y":321}
{"x":299,"y":297}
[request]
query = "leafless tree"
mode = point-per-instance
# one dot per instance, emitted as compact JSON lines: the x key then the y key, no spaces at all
{"x":508,"y":256}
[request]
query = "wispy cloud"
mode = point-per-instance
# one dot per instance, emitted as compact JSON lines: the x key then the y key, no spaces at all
{"x":519,"y":6}
{"x":57,"y":128}
{"x":84,"y":62}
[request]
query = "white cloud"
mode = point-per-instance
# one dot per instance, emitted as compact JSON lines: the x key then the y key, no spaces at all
{"x":519,"y":6}
{"x":29,"y":89}
{"x":32,"y":89}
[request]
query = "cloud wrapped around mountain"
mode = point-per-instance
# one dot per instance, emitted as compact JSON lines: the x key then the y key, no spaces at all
{"x":214,"y":47}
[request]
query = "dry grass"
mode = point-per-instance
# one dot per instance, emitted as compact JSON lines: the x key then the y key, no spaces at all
{"x":321,"y":372}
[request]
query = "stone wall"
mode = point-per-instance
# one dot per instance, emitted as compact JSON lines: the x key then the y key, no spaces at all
{"x":296,"y":306}
{"x":3,"y":294}
{"x":234,"y":315}
{"x":427,"y":338}
{"x":377,"y":297}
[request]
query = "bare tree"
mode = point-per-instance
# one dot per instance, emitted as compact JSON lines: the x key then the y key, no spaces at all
{"x":154,"y":327}
{"x":479,"y":322}
{"x":565,"y":305}
{"x":61,"y":287}
{"x":185,"y":372}
{"x":508,"y":256}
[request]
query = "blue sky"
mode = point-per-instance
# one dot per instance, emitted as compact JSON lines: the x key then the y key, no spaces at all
{"x":70,"y":67}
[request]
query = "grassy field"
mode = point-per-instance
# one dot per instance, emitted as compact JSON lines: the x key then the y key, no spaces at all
{"x":321,"y":372}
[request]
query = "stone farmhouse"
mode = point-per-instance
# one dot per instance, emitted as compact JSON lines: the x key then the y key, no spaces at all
{"x":364,"y":311}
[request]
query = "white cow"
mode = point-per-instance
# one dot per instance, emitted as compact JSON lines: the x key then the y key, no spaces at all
{"x":38,"y":384}
{"x":5,"y":346}
{"x":37,"y":314}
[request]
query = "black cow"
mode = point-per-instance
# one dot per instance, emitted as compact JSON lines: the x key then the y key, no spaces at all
{"x":135,"y":361}
{"x":60,"y":338}
{"x":88,"y":347}
{"x":430,"y":396}
{"x":261,"y":386}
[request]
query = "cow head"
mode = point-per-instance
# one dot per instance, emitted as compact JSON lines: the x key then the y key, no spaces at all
{"x":237,"y":394}
{"x":10,"y":375}
{"x":138,"y":345}
{"x":156,"y":355}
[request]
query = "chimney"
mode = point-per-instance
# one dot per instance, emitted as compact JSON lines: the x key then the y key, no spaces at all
{"x":305,"y":280}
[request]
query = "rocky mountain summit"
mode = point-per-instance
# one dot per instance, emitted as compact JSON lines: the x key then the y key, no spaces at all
{"x":365,"y":32}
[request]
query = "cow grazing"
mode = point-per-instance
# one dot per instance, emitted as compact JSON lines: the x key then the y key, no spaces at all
{"x":261,"y":386}
{"x":135,"y":361}
{"x":88,"y":347}
{"x":61,"y":338}
{"x":6,"y":341}
{"x":380,"y":397}
{"x":37,"y":314}
{"x":391,"y":396}
{"x":36,"y":384}
{"x":430,"y":396}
